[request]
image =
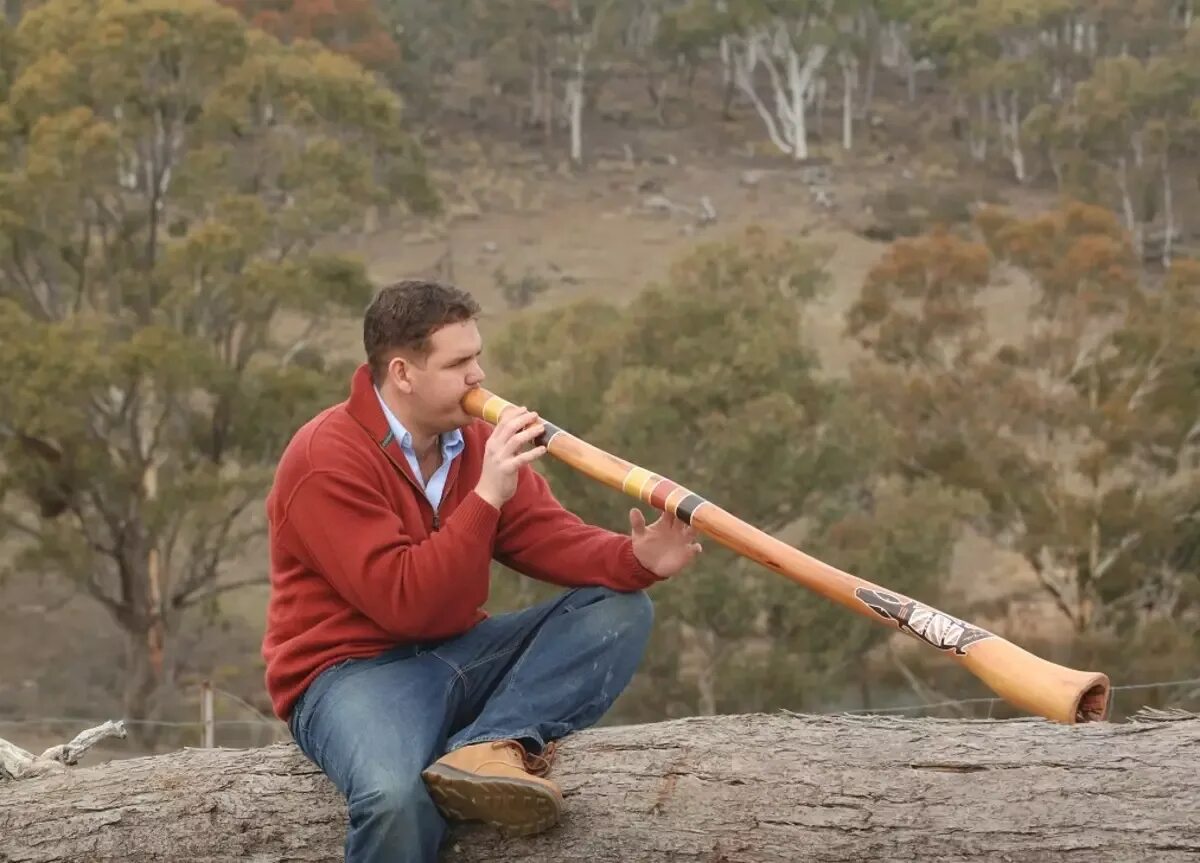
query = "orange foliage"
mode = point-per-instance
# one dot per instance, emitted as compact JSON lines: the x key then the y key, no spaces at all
{"x":351,"y":27}
{"x":1184,"y":273}
{"x":936,"y":263}
{"x":1075,"y":248}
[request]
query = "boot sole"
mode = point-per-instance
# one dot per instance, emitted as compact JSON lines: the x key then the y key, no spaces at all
{"x":515,"y":807}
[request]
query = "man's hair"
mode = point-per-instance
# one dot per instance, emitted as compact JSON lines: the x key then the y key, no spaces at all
{"x":405,"y":315}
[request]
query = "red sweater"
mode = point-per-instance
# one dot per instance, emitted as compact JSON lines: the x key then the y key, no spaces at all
{"x":360,"y":563}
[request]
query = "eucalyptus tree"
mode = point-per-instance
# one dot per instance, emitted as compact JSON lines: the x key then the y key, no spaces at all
{"x":167,"y":176}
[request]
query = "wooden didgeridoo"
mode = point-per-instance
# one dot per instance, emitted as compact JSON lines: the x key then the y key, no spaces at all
{"x":1024,"y":680}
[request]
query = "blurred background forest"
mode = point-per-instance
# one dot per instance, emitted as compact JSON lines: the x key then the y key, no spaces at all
{"x":914,"y":286}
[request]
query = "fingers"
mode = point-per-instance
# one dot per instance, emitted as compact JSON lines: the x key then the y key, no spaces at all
{"x":527,"y":456}
{"x":676,"y":524}
{"x":525,"y":435}
{"x":513,"y":421}
{"x":516,"y":429}
{"x":637,"y":521}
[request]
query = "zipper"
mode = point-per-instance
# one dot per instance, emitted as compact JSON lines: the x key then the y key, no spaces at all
{"x":437,"y":522}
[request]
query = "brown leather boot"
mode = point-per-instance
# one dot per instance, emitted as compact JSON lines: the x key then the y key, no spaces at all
{"x":496,"y":782}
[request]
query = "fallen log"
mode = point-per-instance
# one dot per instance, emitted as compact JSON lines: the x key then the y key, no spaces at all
{"x":730,"y":789}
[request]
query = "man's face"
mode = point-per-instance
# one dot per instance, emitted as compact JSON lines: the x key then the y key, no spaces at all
{"x":437,"y":384}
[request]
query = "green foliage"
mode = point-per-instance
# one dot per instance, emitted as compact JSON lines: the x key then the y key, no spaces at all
{"x":909,"y":208}
{"x":166,"y":176}
{"x":520,"y":292}
{"x":897,"y":533}
{"x":706,"y":380}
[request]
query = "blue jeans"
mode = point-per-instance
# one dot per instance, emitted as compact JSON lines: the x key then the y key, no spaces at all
{"x":372,"y":725}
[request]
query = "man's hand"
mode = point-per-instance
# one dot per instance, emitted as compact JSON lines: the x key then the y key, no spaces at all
{"x":666,"y":546}
{"x":504,"y":454}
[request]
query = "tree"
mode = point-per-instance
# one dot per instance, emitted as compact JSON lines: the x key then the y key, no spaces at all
{"x":790,"y":40}
{"x":552,"y":47}
{"x":771,"y":789}
{"x":166,"y":176}
{"x":433,"y":37}
{"x":1078,"y":425}
{"x":706,"y":380}
{"x":351,"y":27}
{"x":997,"y":55}
{"x":1121,"y":136}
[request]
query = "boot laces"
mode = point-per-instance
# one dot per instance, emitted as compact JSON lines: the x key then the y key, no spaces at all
{"x":539,"y":764}
{"x":536,"y":764}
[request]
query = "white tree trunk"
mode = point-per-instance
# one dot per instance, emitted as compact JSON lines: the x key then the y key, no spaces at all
{"x":977,"y":134}
{"x":575,"y":104}
{"x":799,"y":88}
{"x":792,"y":90}
{"x":1012,"y":126}
{"x":1131,"y":223}
{"x":782,"y":788}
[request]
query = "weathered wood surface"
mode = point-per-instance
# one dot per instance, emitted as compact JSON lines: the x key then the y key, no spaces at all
{"x":721,"y":789}
{"x":16,"y":763}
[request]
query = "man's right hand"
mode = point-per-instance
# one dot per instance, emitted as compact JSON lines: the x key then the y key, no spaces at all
{"x":505,"y":452}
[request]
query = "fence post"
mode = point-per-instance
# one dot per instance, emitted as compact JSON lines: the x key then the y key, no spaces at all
{"x":206,"y":713}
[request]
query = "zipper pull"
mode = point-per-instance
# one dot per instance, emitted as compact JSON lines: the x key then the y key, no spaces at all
{"x":436,"y":521}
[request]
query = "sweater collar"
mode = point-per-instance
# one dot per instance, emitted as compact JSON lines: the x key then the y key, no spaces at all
{"x":364,"y":405}
{"x":365,"y":408}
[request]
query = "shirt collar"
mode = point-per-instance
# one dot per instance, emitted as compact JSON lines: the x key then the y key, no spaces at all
{"x":452,"y":442}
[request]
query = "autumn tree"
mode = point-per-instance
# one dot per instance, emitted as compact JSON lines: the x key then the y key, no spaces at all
{"x":1077,"y":422}
{"x":351,"y":27}
{"x":166,"y":178}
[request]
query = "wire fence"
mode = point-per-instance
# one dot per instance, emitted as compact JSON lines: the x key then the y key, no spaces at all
{"x":258,"y":728}
{"x":993,"y":701}
{"x":270,"y":729}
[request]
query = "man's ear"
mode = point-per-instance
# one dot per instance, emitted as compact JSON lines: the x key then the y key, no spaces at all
{"x":399,"y":373}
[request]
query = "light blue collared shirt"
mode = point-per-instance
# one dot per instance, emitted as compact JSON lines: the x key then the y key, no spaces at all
{"x":452,"y":445}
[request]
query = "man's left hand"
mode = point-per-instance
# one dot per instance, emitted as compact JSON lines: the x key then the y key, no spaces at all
{"x":665,"y":547}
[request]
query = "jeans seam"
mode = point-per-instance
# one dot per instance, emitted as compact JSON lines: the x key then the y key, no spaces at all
{"x":451,"y":665}
{"x":485,"y":660}
{"x":450,"y":686}
{"x":512,"y":673}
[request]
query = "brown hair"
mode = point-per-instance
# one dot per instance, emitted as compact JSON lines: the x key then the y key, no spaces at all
{"x":404,"y":315}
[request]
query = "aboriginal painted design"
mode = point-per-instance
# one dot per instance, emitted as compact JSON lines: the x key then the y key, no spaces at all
{"x":928,"y":624}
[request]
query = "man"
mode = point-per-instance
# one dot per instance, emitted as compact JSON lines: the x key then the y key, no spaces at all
{"x":385,"y":513}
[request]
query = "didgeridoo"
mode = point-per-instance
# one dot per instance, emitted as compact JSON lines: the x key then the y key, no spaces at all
{"x":1026,"y":681}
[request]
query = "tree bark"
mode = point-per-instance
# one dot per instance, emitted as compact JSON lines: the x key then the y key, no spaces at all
{"x":736,"y":789}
